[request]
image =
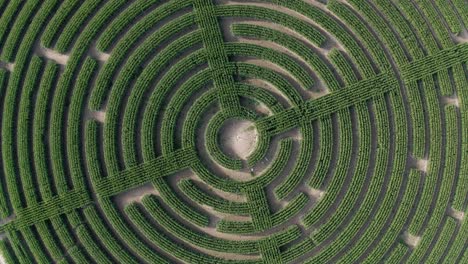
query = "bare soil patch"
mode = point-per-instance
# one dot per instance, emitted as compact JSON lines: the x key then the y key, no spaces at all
{"x":238,"y":138}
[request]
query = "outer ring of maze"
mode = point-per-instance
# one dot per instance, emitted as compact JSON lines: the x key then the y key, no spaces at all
{"x":410,"y":75}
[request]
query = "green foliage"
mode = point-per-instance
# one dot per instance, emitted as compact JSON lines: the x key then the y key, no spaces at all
{"x":114,"y":156}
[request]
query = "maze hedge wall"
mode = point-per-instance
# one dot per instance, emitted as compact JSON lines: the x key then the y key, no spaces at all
{"x":111,"y":113}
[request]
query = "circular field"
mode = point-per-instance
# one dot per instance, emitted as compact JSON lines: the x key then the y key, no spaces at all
{"x":234,"y":131}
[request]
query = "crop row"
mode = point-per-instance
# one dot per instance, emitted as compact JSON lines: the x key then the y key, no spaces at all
{"x":50,"y":208}
{"x":270,"y":101}
{"x":293,"y":208}
{"x":213,"y":143}
{"x":34,"y":246}
{"x":20,"y":251}
{"x":325,"y":155}
{"x":39,"y":251}
{"x":298,"y":174}
{"x":66,"y":238}
{"x":259,"y":95}
{"x":162,"y":217}
{"x":258,"y":205}
{"x":280,"y":161}
{"x":435,"y":63}
{"x":174,"y":108}
{"x":458,"y":244}
{"x":19,"y":27}
{"x":411,"y":13}
{"x":398,"y":222}
{"x":23,"y":137}
{"x":218,"y":203}
{"x":166,"y":243}
{"x":9,"y":110}
{"x":4,"y":200}
{"x":441,"y":32}
{"x":407,"y":34}
{"x":156,"y":100}
{"x":338,"y":173}
{"x":333,"y":27}
{"x":73,"y":135}
{"x":450,"y":16}
{"x":122,"y":49}
{"x":394,"y":185}
{"x":462,"y":186}
{"x":245,"y":11}
{"x":358,"y":178}
{"x":41,"y":110}
{"x":270,"y":251}
{"x":62,"y":95}
{"x":443,"y":242}
{"x":140,"y":174}
{"x":131,"y":13}
{"x":442,"y":198}
{"x":338,"y":58}
{"x":360,"y":29}
{"x":325,"y":105}
{"x":293,"y":44}
{"x":193,"y":118}
{"x":125,"y":232}
{"x":397,"y":254}
{"x":384,"y":32}
{"x":431,"y":178}
{"x":64,"y":12}
{"x":102,"y":232}
{"x":46,"y":235}
{"x":129,"y":72}
{"x":275,"y":57}
{"x":7,"y":252}
{"x":152,"y":110}
{"x":74,"y":24}
{"x":462,"y":10}
{"x":217,"y":55}
{"x":173,"y":199}
{"x":9,"y":13}
{"x":277,"y":80}
{"x":43,"y":243}
{"x":370,"y":200}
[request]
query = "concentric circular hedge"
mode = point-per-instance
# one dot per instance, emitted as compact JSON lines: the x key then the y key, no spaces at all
{"x":124,"y":136}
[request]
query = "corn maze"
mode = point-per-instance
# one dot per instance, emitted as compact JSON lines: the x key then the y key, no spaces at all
{"x":233,"y":131}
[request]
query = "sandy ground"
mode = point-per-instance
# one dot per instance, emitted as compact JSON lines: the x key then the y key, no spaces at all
{"x":97,"y":115}
{"x":135,"y":195}
{"x":451,"y":100}
{"x":101,"y":56}
{"x":458,"y":215}
{"x":238,"y":138}
{"x":261,"y":108}
{"x":419,"y":164}
{"x":462,"y":37}
{"x":422,"y":164}
{"x":410,"y":240}
{"x":316,"y":193}
{"x":50,"y":54}
{"x":7,"y":220}
{"x":7,"y":66}
{"x":62,"y":58}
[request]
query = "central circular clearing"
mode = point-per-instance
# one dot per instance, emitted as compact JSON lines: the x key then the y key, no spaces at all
{"x":238,"y":138}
